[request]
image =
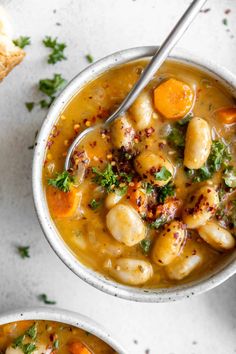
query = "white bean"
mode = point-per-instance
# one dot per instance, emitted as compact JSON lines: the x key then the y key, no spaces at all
{"x":148,"y":164}
{"x":183,"y":266}
{"x":198,"y":143}
{"x":200,"y":207}
{"x":131,"y":271}
{"x":125,"y":224}
{"x":169,"y":243}
{"x":218,"y":237}
{"x":122,"y":133}
{"x":142,"y":110}
{"x":112,"y":199}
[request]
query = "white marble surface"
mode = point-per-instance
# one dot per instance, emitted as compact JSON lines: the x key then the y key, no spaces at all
{"x":203,"y":324}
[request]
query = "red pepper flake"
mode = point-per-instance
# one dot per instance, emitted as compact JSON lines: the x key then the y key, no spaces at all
{"x":149,"y":131}
{"x":194,"y":252}
{"x":227,"y":11}
{"x":176,"y":235}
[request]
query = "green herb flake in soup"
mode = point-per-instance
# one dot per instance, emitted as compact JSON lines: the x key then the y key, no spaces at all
{"x":151,"y":196}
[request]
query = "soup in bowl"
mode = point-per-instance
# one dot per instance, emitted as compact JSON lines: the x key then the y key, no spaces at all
{"x":147,"y":209}
{"x":41,"y":331}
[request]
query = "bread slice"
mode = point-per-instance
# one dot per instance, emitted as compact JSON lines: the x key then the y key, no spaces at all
{"x":10,"y":55}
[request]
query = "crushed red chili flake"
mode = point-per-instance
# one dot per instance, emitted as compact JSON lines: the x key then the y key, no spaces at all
{"x":227,"y":11}
{"x":149,"y":131}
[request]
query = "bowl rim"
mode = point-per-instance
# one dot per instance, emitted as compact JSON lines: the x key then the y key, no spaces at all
{"x":95,"y":279}
{"x":64,"y":316}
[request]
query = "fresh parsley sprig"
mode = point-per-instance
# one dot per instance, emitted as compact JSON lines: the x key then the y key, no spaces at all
{"x":22,"y":41}
{"x":57,"y":53}
{"x":62,"y":181}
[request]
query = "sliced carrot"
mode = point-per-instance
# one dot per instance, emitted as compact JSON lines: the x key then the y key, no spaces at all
{"x":78,"y":348}
{"x":137,"y":197}
{"x":173,"y":99}
{"x":227,"y":115}
{"x":62,"y":204}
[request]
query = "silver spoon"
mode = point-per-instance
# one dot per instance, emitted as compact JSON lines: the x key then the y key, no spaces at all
{"x":148,"y":72}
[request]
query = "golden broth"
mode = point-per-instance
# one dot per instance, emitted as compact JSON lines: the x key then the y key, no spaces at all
{"x":49,"y":337}
{"x":86,"y":232}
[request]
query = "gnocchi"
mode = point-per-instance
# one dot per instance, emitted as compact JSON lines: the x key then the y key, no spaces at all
{"x":131,"y":271}
{"x":200,"y":207}
{"x":218,"y":237}
{"x":141,"y":111}
{"x":125,"y":225}
{"x":169,"y":243}
{"x":122,"y":133}
{"x":198,"y":143}
{"x":150,"y":166}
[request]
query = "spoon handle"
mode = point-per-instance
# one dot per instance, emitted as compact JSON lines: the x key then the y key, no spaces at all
{"x":159,"y":57}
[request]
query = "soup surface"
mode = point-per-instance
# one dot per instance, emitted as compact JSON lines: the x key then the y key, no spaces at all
{"x":45,"y":337}
{"x":151,"y":200}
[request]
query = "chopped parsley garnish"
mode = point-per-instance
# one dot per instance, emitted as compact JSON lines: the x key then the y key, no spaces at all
{"x":89,"y":58}
{"x":44,"y":298}
{"x":167,"y":191}
{"x":23,"y":251}
{"x":160,"y":221}
{"x":95,"y":204}
{"x":32,"y":331}
{"x":176,"y":138}
{"x":22,"y":42}
{"x":225,"y":21}
{"x":149,"y":188}
{"x":46,"y":103}
{"x":29,"y":106}
{"x":186,"y":119}
{"x":62,"y":181}
{"x":219,"y":156}
{"x":56,"y":344}
{"x":162,"y":175}
{"x":106,"y":178}
{"x":57,"y":53}
{"x":26,"y":348}
{"x":145,"y":245}
{"x":51,"y":86}
{"x":229,"y":177}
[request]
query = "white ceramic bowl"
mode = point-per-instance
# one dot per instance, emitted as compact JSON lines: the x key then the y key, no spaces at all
{"x":220,"y":274}
{"x":63,"y":316}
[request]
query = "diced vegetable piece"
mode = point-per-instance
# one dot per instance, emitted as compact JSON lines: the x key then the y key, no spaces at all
{"x":63,"y":204}
{"x":78,"y":348}
{"x":227,"y":115}
{"x":137,"y":197}
{"x":173,"y":99}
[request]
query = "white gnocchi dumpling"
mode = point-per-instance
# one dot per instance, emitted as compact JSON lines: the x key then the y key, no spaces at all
{"x":122,"y":133}
{"x":141,"y":111}
{"x":200,"y":207}
{"x":125,"y":224}
{"x":216,"y":236}
{"x":131,"y":271}
{"x":169,"y":243}
{"x":112,"y":199}
{"x":191,"y":257}
{"x":197,"y":144}
{"x":154,"y":168}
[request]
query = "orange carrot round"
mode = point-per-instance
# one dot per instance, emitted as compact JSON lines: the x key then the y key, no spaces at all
{"x":62,"y":204}
{"x":173,"y":99}
{"x":227,"y":115}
